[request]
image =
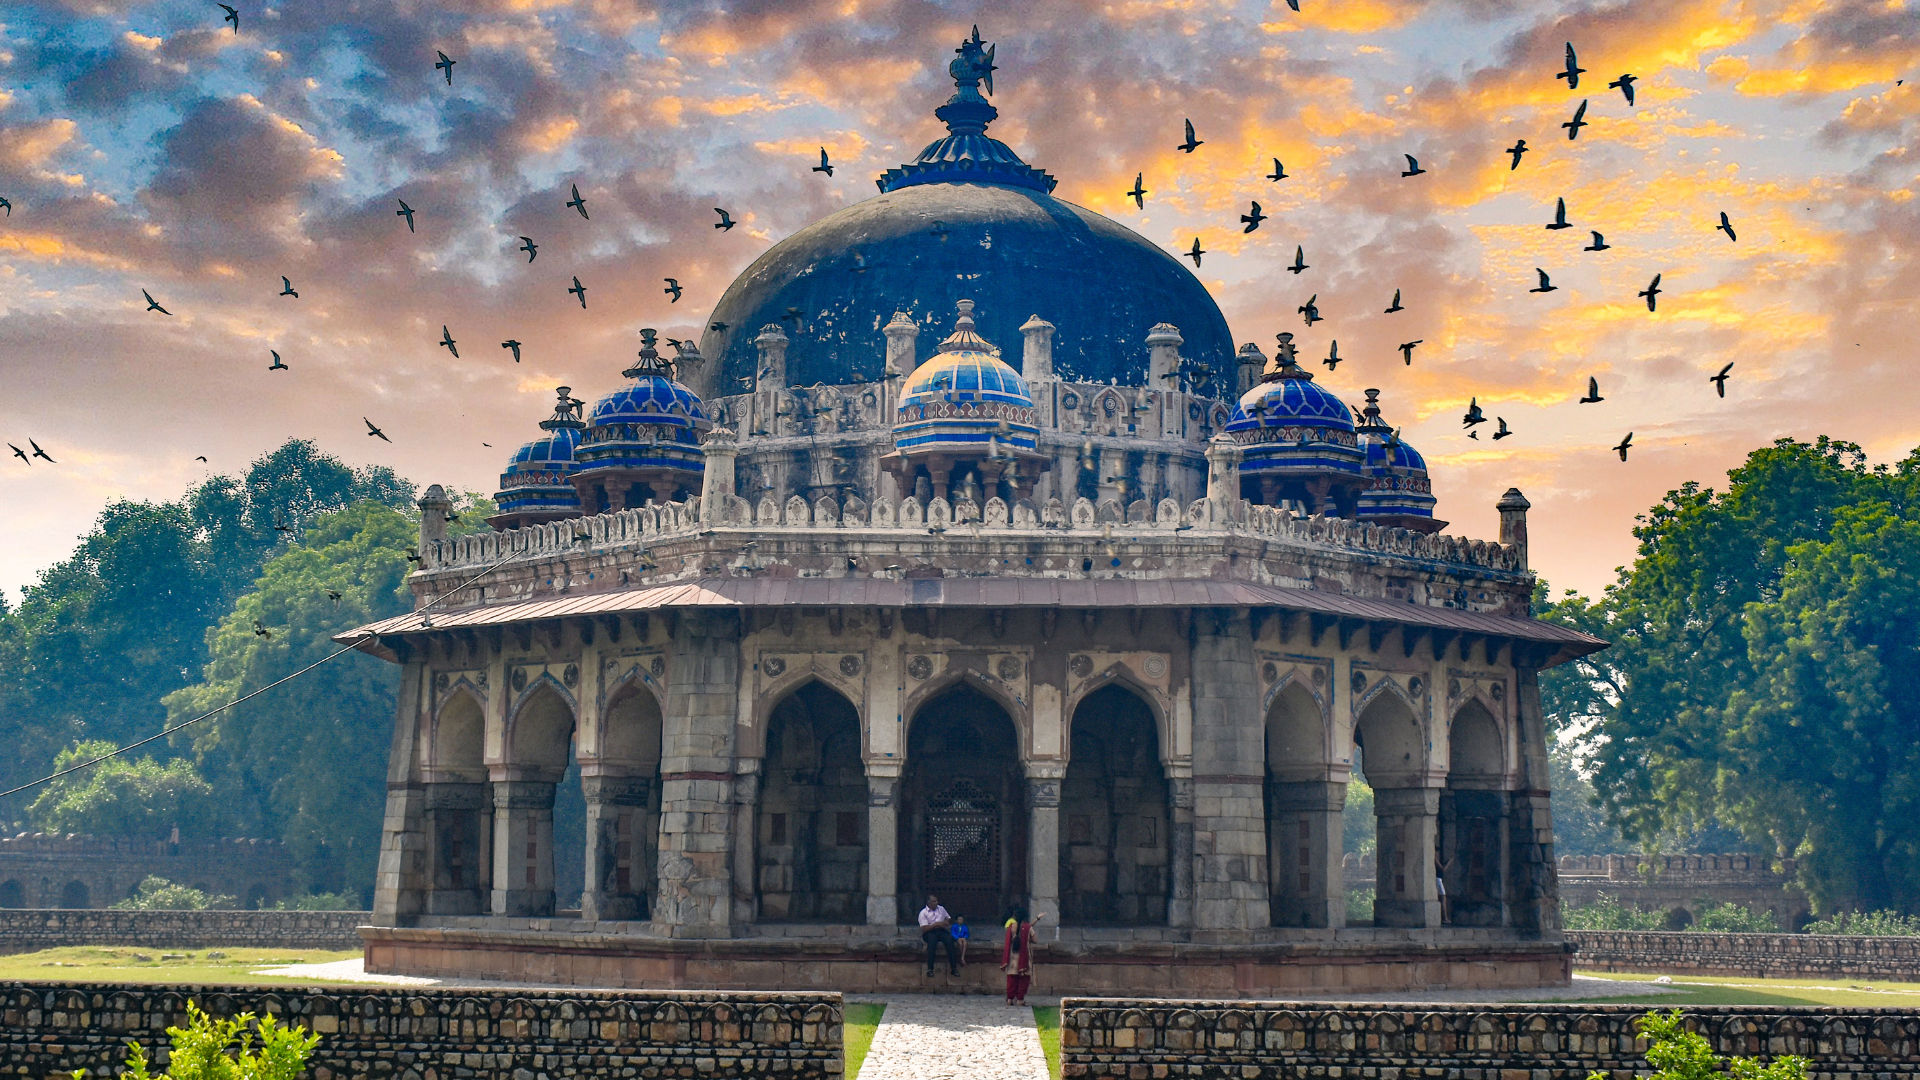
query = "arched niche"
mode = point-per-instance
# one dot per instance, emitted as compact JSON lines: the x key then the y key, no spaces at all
{"x":1393,"y":744}
{"x":1297,"y":746}
{"x":811,"y":830}
{"x":1390,"y":745}
{"x":1473,"y":820}
{"x":459,"y":814}
{"x":12,"y":894}
{"x":1303,"y":813}
{"x":1476,"y":753}
{"x":962,"y":813}
{"x":459,"y":742}
{"x":1115,"y":821}
{"x":74,"y":895}
{"x":539,"y":819}
{"x":540,"y":735}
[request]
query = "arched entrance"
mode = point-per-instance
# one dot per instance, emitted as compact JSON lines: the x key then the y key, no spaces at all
{"x":74,"y":895}
{"x":811,"y":833}
{"x":1393,"y":754}
{"x":1473,"y":814}
{"x":539,"y":753}
{"x":1114,"y":867}
{"x":1306,"y":886}
{"x":620,"y":788}
{"x":963,"y":825}
{"x":459,"y":814}
{"x":12,"y":894}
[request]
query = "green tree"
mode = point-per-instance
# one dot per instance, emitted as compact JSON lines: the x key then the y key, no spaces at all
{"x":124,"y":796}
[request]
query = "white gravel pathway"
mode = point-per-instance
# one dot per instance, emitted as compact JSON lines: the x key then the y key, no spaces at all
{"x":954,"y":1037}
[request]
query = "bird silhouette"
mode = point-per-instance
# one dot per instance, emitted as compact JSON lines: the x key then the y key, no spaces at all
{"x":1624,"y":84}
{"x":1406,"y":350}
{"x":1502,"y":432}
{"x":1474,"y":415}
{"x":718,"y":328}
{"x":1546,"y":283}
{"x":1573,"y":69}
{"x":1518,"y":148}
{"x":1720,"y":381}
{"x":577,"y":202}
{"x":1599,"y":243}
{"x":1310,"y":310}
{"x":1624,"y":444}
{"x":1332,"y":359}
{"x":1726,"y":226}
{"x":1651,"y":292}
{"x":231,"y":16}
{"x":21,"y":454}
{"x":579,"y":291}
{"x":825,"y":166}
{"x":515,"y":346}
{"x":1579,"y":121}
{"x":41,"y":454}
{"x":1253,"y":219}
{"x":672,"y":289}
{"x":278,"y":364}
{"x":1192,"y":143}
{"x":1299,"y":260}
{"x":201,"y":460}
{"x":532,"y":249}
{"x":1593,"y":392}
{"x":152,"y":304}
{"x":1560,"y":215}
{"x":1395,"y":306}
{"x":446,"y":64}
{"x":374,"y":432}
{"x":286,"y":288}
{"x":333,"y":595}
{"x":1294,"y":4}
{"x":1196,"y":253}
{"x":7,"y":206}
{"x":261,"y":631}
{"x":281,"y":526}
{"x":726,"y":220}
{"x":447,"y":342}
{"x":1279,"y":172}
{"x":405,"y":211}
{"x":1139,"y":193}
{"x":1413,"y":167}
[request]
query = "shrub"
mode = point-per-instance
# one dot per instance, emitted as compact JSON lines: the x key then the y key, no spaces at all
{"x":201,"y":1050}
{"x":1679,"y":1054}
{"x":1608,"y":913}
{"x":325,"y":901}
{"x":1735,"y":919}
{"x":1359,"y":906}
{"x":159,"y":894}
{"x":1868,"y":923}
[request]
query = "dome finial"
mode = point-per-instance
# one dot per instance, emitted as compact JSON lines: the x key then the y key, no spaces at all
{"x":566,"y":412}
{"x":1370,"y":422}
{"x":966,"y":112}
{"x":963,"y":338}
{"x":1286,"y":361}
{"x":651,"y":362}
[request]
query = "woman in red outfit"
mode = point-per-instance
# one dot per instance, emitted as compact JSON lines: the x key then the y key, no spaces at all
{"x":1016,"y":956}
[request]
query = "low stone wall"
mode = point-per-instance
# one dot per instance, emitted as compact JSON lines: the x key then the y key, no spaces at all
{"x":48,"y":1030}
{"x":1766,"y":955}
{"x":44,"y":870}
{"x":1680,"y":885}
{"x":33,"y":929}
{"x":1246,"y":1040}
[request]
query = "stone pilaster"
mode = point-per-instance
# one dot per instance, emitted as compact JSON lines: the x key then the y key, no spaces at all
{"x":1304,"y":833}
{"x":522,"y":848}
{"x":459,"y":820}
{"x":1180,"y":852}
{"x":1223,"y":478}
{"x":616,"y":856}
{"x":1043,"y":839}
{"x":746,"y":816}
{"x":883,"y":838}
{"x":400,"y":883}
{"x":1513,"y":508}
{"x":1405,"y":888}
{"x":695,"y":897}
{"x":1249,"y":363}
{"x":1229,"y":813}
{"x":1535,"y":881}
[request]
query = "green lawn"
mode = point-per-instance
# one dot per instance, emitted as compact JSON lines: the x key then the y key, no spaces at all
{"x":857,"y":1025}
{"x":1740,"y":990}
{"x":1047,"y":1019}
{"x":102,"y":964}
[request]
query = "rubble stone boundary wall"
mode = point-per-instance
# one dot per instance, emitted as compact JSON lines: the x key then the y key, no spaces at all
{"x":33,"y":929}
{"x":1248,"y":1040}
{"x":50,"y":1030}
{"x":1765,"y":955}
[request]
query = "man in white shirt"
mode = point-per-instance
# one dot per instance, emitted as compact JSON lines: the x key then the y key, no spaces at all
{"x":934,"y":924}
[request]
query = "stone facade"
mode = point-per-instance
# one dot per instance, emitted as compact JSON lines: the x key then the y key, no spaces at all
{"x":40,"y":870}
{"x":1680,"y":885}
{"x":32,"y":930}
{"x":1772,"y":956}
{"x":1255,"y":1040}
{"x":53,"y":1030}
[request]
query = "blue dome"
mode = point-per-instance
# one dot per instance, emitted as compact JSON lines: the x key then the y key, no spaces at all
{"x":965,"y":376}
{"x":1385,"y":455}
{"x":1289,"y":426}
{"x":965,"y":398}
{"x":1295,"y":401}
{"x":537,"y":484}
{"x":1398,"y":491}
{"x":649,"y":399}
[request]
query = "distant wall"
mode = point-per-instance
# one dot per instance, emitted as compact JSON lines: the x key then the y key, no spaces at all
{"x":1679,"y":885}
{"x":1766,"y":955}
{"x":32,"y":930}
{"x":40,"y":870}
{"x":514,"y":1035}
{"x":1248,"y":1040}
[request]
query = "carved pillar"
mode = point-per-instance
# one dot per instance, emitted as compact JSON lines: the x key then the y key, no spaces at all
{"x":695,"y":895}
{"x":616,"y":857}
{"x":718,"y":479}
{"x":1535,"y":880}
{"x":522,"y":848}
{"x":400,"y":883}
{"x":772,"y":344}
{"x":1252,"y":363}
{"x":883,"y":839}
{"x":1304,"y":838}
{"x":1405,"y":892}
{"x":1180,"y":853}
{"x":902,"y":335}
{"x":459,"y":831}
{"x":746,"y":815}
{"x":1043,"y":839}
{"x":1223,"y":476}
{"x":1513,"y":508}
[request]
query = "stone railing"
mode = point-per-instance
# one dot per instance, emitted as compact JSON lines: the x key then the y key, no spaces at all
{"x":1246,"y":1040}
{"x":1657,"y":952}
{"x":53,"y":1030}
{"x":33,"y":929}
{"x":1677,"y":869}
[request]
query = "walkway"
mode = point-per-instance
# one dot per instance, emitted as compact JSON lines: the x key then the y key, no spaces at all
{"x":954,"y":1037}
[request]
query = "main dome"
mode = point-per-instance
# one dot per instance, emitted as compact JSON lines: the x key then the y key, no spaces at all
{"x":967,"y":220}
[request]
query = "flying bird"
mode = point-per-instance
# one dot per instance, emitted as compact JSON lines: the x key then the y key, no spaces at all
{"x":1311,"y":310}
{"x":333,"y":595}
{"x":1579,"y":121}
{"x":231,"y":16}
{"x":1560,"y":215}
{"x":726,"y":220}
{"x":446,"y":64}
{"x":286,"y":288}
{"x":1333,"y":355}
{"x":825,"y":166}
{"x":1192,"y":143}
{"x":1196,"y":253}
{"x":1294,"y":4}
{"x":1719,"y":381}
{"x":1599,"y":243}
{"x":1139,"y":193}
{"x":202,"y":460}
{"x":1593,"y":392}
{"x":1299,"y":259}
{"x":1726,"y":226}
{"x":374,"y":432}
{"x":1624,"y":444}
{"x":1624,"y":84}
{"x":1406,"y":350}
{"x":1546,"y":283}
{"x":1518,"y":148}
{"x":1651,"y":292}
{"x":21,"y":454}
{"x":1502,"y":432}
{"x":532,"y":249}
{"x":152,"y":304}
{"x":1573,"y":69}
{"x":577,"y":202}
{"x":579,"y":291}
{"x":672,"y":289}
{"x":41,"y":454}
{"x":1253,"y":219}
{"x":515,"y":346}
{"x":278,"y":364}
{"x":7,"y":206}
{"x":447,"y":342}
{"x":1395,"y":306}
{"x":718,"y":328}
{"x":405,"y":211}
{"x":1474,"y":415}
{"x":1279,"y":172}
{"x":261,"y":631}
{"x":1413,"y":166}
{"x":281,"y":526}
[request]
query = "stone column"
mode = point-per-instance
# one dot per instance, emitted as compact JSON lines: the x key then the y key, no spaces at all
{"x":458,"y":835}
{"x":400,"y":883}
{"x":1223,"y":478}
{"x":718,"y":476}
{"x":522,"y":848}
{"x":1180,"y":852}
{"x":1534,"y":886}
{"x":1043,"y":838}
{"x":1251,"y":364}
{"x":434,"y":507}
{"x":616,"y":856}
{"x":1305,"y":834}
{"x":695,"y":897}
{"x":1404,"y":885}
{"x":883,"y":839}
{"x":902,"y":334}
{"x":746,"y":818}
{"x":1229,"y":742}
{"x":1513,"y":508}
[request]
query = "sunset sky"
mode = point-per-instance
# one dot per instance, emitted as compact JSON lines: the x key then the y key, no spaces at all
{"x":146,"y":145}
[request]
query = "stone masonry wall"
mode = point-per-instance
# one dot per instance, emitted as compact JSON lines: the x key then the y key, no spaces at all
{"x":514,"y":1035}
{"x":46,"y":871}
{"x":1762,"y":955}
{"x":1247,"y":1040}
{"x":31,"y":930}
{"x":1680,"y":885}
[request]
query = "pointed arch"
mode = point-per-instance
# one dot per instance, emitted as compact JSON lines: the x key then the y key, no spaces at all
{"x":1299,"y":744}
{"x":540,"y":729}
{"x":1115,"y":864}
{"x":1392,"y":743}
{"x":1476,"y":749}
{"x":753,"y":741}
{"x":1121,"y":675}
{"x":810,"y":831}
{"x":963,"y":802}
{"x":457,"y":751}
{"x":979,"y":682}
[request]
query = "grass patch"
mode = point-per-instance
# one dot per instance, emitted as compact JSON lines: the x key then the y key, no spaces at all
{"x":1741,"y":990}
{"x":858,"y":1023}
{"x":1046,"y":1018}
{"x":86,"y":963}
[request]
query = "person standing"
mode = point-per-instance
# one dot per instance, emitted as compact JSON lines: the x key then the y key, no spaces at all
{"x":934,"y":930}
{"x":1016,"y":955}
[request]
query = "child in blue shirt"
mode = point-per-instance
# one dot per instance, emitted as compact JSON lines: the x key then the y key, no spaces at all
{"x":960,"y":936}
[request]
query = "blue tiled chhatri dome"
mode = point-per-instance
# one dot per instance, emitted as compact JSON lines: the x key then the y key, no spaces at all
{"x":1298,"y":439}
{"x":643,"y":437}
{"x":964,"y":398}
{"x":537,"y":485}
{"x":1398,"y":491}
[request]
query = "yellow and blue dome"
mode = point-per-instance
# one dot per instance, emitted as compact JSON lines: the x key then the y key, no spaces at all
{"x":965,"y":398}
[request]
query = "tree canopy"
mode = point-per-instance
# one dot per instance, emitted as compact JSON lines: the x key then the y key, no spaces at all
{"x":124,"y":796}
